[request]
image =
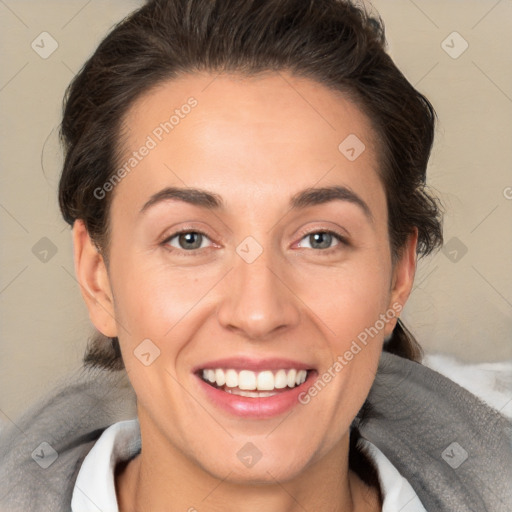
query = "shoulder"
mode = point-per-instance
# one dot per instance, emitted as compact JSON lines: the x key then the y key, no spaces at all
{"x":454,"y":449}
{"x":42,"y":451}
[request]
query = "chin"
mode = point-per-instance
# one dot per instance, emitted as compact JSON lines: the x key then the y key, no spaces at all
{"x":253,"y":467}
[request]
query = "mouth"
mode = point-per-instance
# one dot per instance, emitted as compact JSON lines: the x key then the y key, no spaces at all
{"x":252,"y":384}
{"x":251,"y":389}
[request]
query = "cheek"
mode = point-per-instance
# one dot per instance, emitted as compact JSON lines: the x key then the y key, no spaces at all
{"x":351,"y":308}
{"x":348,"y":306}
{"x":153,"y":299}
{"x":349,"y":299}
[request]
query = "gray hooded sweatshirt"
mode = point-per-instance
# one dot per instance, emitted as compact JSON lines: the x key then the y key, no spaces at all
{"x":455,"y":451}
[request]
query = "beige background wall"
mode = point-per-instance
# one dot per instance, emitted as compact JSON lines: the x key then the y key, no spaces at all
{"x":462,"y":301}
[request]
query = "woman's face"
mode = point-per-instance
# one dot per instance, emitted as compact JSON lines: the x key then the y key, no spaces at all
{"x":282,"y":271}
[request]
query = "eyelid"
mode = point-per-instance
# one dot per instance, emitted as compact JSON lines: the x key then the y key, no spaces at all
{"x":186,"y":229}
{"x":343,"y":237}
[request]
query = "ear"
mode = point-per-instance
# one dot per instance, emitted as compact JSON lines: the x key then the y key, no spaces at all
{"x":91,"y":272}
{"x":402,"y":280}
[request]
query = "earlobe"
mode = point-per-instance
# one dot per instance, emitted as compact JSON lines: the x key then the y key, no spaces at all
{"x":403,"y":278}
{"x":91,"y":273}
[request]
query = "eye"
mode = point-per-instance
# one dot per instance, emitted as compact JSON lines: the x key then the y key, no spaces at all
{"x":323,"y":240}
{"x":186,"y":240}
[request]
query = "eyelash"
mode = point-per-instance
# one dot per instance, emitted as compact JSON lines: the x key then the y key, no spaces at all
{"x":343,"y":242}
{"x":341,"y":239}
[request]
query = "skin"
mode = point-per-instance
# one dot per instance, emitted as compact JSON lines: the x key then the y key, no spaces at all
{"x":255,"y":142}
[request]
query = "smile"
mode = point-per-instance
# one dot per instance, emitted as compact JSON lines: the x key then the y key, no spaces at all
{"x":254,"y":389}
{"x":254,"y":384}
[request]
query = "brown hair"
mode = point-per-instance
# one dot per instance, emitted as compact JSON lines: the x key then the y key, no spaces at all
{"x":332,"y":42}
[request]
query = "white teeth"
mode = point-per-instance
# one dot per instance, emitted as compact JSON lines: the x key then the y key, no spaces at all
{"x":265,"y":381}
{"x":292,"y":375}
{"x":231,"y":378}
{"x":250,"y":394}
{"x":220,"y":377}
{"x":210,"y":375}
{"x":280,"y":379}
{"x":247,"y":380}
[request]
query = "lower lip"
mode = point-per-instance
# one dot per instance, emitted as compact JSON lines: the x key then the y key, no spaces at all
{"x":259,"y":407}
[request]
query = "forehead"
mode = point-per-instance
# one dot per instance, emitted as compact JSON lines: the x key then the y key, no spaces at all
{"x":225,"y":132}
{"x":266,"y":101}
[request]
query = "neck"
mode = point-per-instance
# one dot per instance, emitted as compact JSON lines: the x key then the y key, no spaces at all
{"x":172,"y":482}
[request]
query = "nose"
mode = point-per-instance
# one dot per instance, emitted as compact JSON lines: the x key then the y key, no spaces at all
{"x":257,"y":300}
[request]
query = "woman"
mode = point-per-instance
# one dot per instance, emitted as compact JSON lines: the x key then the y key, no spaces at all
{"x":246,"y":187}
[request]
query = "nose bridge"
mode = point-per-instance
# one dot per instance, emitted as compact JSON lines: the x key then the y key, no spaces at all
{"x":256,"y":302}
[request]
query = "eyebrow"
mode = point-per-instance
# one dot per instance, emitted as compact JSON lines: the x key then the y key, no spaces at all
{"x":307,"y":197}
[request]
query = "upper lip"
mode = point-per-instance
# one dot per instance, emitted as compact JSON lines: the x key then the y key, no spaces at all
{"x":247,"y":363}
